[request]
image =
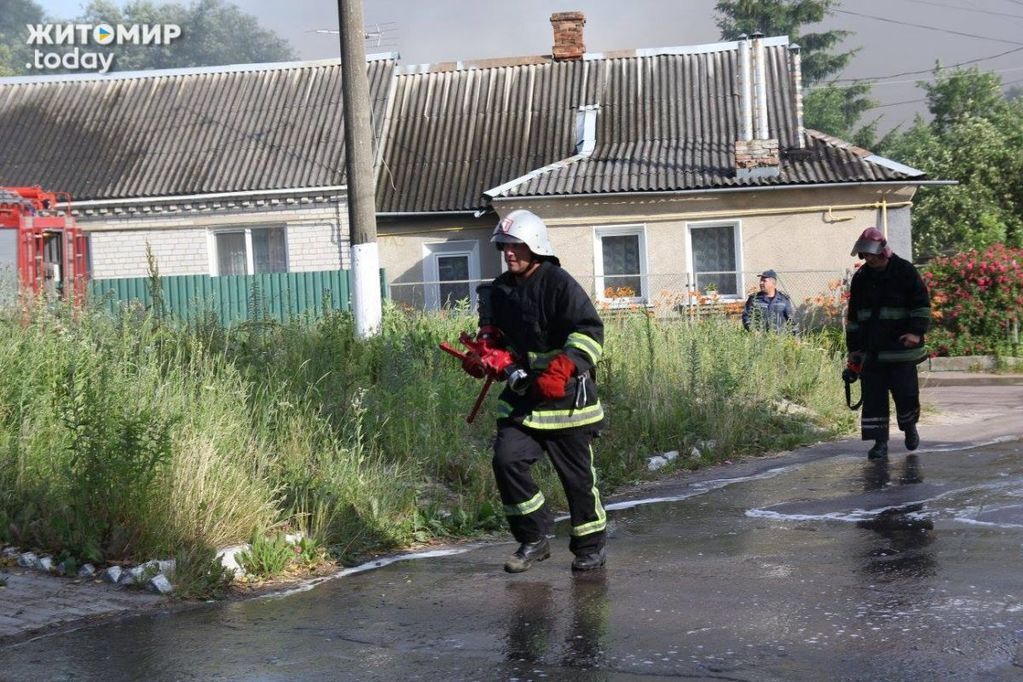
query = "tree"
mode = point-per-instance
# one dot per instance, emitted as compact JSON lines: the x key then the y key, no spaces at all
{"x":836,"y":111}
{"x":212,"y":33}
{"x":14,"y":51}
{"x":963,"y":92}
{"x":785,"y":17}
{"x":974,"y":138}
{"x":828,"y":107}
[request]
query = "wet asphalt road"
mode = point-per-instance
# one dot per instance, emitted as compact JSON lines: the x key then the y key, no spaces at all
{"x":816,"y":566}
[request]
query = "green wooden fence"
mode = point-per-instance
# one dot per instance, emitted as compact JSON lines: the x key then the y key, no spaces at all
{"x":280,"y":296}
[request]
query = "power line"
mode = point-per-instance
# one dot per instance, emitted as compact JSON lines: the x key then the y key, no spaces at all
{"x":930,"y":28}
{"x":895,"y":104}
{"x":942,"y":68}
{"x":967,"y":9}
{"x":928,"y":80}
{"x":924,"y":99}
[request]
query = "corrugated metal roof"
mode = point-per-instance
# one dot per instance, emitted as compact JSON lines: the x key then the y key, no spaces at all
{"x":668,"y":120}
{"x":181,"y":132}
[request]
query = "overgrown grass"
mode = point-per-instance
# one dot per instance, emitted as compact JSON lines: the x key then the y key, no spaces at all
{"x":140,"y":437}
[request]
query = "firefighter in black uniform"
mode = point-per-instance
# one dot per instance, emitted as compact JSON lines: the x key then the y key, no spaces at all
{"x":550,"y":325}
{"x":889,"y":313}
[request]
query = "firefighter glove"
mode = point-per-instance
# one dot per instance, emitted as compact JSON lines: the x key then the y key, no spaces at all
{"x":550,"y":385}
{"x":473,"y":365}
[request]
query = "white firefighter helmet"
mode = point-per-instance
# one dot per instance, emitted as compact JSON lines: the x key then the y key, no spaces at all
{"x":523,"y":227}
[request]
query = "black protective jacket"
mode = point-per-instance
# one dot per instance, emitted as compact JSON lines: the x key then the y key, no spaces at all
{"x":547,"y":314}
{"x":884,"y":305}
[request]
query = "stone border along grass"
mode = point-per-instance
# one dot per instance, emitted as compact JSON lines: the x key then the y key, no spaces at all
{"x":973,"y":363}
{"x":153,"y":576}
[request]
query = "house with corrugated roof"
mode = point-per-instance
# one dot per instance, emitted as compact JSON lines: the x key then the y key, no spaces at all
{"x":219,"y":171}
{"x":661,"y":172}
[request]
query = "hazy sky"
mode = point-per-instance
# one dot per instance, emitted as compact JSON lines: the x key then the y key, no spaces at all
{"x":894,"y":42}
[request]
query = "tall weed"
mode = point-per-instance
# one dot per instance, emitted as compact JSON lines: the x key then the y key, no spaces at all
{"x":138,"y":434}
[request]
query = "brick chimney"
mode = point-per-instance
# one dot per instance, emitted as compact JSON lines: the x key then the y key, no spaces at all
{"x":568,"y":35}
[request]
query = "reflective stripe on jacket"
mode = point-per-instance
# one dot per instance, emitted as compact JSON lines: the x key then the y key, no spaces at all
{"x":541,"y":317}
{"x":884,"y":305}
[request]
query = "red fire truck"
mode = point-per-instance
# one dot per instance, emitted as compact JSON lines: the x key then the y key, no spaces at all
{"x":41,"y":241}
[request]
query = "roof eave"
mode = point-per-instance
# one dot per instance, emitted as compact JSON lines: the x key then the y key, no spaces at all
{"x":725,"y":190}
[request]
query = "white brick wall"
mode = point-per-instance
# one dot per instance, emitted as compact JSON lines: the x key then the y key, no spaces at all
{"x":317,"y":238}
{"x":123,"y":253}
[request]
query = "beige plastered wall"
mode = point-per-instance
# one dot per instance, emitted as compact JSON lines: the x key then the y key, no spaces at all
{"x":804,"y":234}
{"x":181,"y":239}
{"x":403,"y":243}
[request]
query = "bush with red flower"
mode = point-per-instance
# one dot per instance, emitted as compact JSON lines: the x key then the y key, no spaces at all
{"x":976,"y":301}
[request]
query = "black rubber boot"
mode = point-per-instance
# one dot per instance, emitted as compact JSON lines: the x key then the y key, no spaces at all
{"x":912,"y":437}
{"x":588,"y":562}
{"x":526,"y":555}
{"x":879,"y":450}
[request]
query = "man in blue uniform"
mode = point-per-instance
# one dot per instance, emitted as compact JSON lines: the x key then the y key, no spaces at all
{"x":889,"y":313}
{"x":550,"y":325}
{"x":768,"y":309}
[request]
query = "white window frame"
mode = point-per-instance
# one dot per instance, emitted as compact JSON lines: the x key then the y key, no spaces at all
{"x":601,"y":231}
{"x":431,"y":270}
{"x":250,"y":261}
{"x":736,"y":225}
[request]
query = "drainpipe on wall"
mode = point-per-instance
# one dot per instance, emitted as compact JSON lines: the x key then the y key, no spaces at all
{"x":884,"y":216}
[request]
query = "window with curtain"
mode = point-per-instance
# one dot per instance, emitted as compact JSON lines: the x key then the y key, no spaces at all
{"x":451,"y":273}
{"x":714,"y":258}
{"x":453,"y":276}
{"x":620,"y":255}
{"x":621,"y":263}
{"x":253,"y":250}
{"x":269,"y":250}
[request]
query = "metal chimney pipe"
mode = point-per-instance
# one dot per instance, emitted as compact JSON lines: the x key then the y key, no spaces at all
{"x":745,"y":90}
{"x":760,"y":89}
{"x":796,"y":68}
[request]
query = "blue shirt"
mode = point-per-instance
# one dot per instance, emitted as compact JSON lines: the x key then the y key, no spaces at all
{"x":770,"y":314}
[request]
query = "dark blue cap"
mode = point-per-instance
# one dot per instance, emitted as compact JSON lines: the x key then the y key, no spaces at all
{"x":769,"y":273}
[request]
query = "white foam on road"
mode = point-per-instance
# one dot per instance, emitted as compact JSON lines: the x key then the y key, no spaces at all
{"x":857,"y":515}
{"x":695,"y":489}
{"x":307,"y":585}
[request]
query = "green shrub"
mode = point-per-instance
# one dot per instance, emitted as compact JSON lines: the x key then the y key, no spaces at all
{"x":977,"y":302}
{"x":199,"y":574}
{"x":267,"y":555}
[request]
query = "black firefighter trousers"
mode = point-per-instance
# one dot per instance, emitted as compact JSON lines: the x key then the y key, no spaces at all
{"x":878,"y":379}
{"x":516,"y":450}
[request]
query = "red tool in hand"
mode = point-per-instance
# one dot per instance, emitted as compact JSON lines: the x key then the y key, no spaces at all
{"x":483,"y":360}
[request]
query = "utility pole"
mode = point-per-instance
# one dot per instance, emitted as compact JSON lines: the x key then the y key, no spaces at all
{"x":362,"y":219}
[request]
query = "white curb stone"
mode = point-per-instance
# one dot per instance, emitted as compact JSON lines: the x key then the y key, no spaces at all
{"x":159,"y":584}
{"x":112,"y":574}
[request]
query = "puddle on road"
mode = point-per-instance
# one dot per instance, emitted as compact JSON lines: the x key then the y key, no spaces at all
{"x":984,"y":490}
